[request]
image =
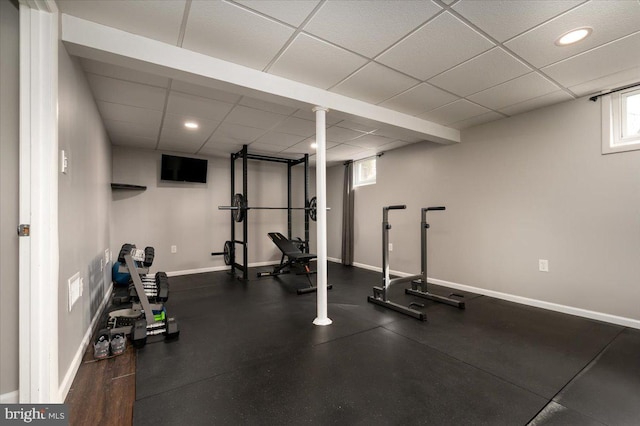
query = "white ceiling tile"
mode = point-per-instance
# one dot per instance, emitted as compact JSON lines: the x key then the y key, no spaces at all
{"x":454,"y":112}
{"x":119,"y":112}
{"x":226,"y":31}
{"x":121,"y":139}
{"x":126,"y":93}
{"x":204,"y":92}
{"x":393,"y":145}
{"x":332,"y":117}
{"x":622,"y":78}
{"x":339,"y":134}
{"x":531,"y":104}
{"x":267,"y":106}
{"x":503,"y":19}
{"x":304,"y":147}
{"x":176,"y":121}
{"x":528,"y":86}
{"x":343,"y":152}
{"x":370,"y":141}
{"x":131,"y":129}
{"x":609,"y":19}
{"x":291,"y":12}
{"x":601,"y":61}
{"x":374,"y":83}
{"x":368,"y":27}
{"x":179,"y":146}
{"x":258,"y":148}
{"x":219,"y":149}
{"x":254,"y":117}
{"x":297,"y":126}
{"x":419,"y":99}
{"x":477,"y":120}
{"x":441,"y":44}
{"x":172,"y":140}
{"x":315,"y":62}
{"x":121,"y":73}
{"x":156,"y":19}
{"x":493,"y":67}
{"x":195,"y":106}
{"x":283,"y":140}
{"x":173,"y":129}
{"x":233,"y":133}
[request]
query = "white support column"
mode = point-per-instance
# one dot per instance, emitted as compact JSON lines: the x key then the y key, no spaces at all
{"x":38,"y":251}
{"x":321,"y":214}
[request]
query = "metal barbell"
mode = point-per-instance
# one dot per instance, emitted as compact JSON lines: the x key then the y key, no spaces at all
{"x":239,"y":207}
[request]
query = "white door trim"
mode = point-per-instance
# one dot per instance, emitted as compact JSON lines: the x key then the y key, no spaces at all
{"x":38,"y":252}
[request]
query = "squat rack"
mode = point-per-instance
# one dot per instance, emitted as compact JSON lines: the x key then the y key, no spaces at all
{"x":246,"y":156}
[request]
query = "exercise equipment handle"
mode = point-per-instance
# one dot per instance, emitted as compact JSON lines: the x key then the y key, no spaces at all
{"x":228,"y":208}
{"x":396,"y":207}
{"x":435,"y":208}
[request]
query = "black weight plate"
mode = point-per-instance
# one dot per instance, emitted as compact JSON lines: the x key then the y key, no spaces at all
{"x":228,"y":253}
{"x":313,"y":206}
{"x":238,"y":201}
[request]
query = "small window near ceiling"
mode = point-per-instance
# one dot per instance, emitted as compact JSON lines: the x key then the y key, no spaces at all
{"x":364,"y":172}
{"x":621,"y":121}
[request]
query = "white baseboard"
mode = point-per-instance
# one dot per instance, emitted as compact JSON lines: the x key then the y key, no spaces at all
{"x":379,"y":269}
{"x":334,"y":259}
{"x":218,"y":268}
{"x":571,"y":310}
{"x":9,"y":397}
{"x":198,"y":271}
{"x":599,"y":316}
{"x":77,"y":359}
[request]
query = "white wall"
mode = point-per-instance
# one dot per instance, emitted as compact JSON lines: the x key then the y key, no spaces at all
{"x":530,"y":187}
{"x":84,"y":210}
{"x":9,"y":146}
{"x":186,"y":214}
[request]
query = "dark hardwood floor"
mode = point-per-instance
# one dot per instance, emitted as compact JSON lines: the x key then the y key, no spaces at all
{"x":103,"y":391}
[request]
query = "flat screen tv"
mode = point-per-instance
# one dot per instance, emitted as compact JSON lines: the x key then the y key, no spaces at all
{"x":183,"y":169}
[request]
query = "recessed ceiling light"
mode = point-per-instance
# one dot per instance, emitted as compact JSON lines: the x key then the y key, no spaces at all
{"x":314,"y":145}
{"x":573,"y":36}
{"x":191,"y":125}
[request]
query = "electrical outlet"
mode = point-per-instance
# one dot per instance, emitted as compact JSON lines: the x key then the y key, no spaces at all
{"x":174,"y":249}
{"x":543,"y":265}
{"x":390,"y":246}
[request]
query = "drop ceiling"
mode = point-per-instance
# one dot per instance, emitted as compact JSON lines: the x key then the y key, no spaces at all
{"x":454,"y":63}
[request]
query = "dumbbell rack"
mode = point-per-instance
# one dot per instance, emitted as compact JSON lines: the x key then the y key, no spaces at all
{"x":147,"y":324}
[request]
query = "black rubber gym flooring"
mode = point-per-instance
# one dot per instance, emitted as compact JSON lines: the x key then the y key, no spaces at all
{"x":248,"y":353}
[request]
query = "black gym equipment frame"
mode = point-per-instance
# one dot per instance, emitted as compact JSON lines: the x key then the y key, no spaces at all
{"x":381,"y":294}
{"x":246,"y":156}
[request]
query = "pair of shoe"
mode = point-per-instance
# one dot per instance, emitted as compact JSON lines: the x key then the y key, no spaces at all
{"x":106,"y":345}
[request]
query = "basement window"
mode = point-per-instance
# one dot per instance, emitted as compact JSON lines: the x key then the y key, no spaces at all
{"x":364,"y":172}
{"x":621,"y":121}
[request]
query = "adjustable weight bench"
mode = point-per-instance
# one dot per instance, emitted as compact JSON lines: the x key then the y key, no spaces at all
{"x":294,"y":257}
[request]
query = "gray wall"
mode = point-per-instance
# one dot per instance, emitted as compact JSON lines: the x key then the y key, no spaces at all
{"x":84,"y":198}
{"x":9,"y":145}
{"x":186,"y":214}
{"x":530,"y":187}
